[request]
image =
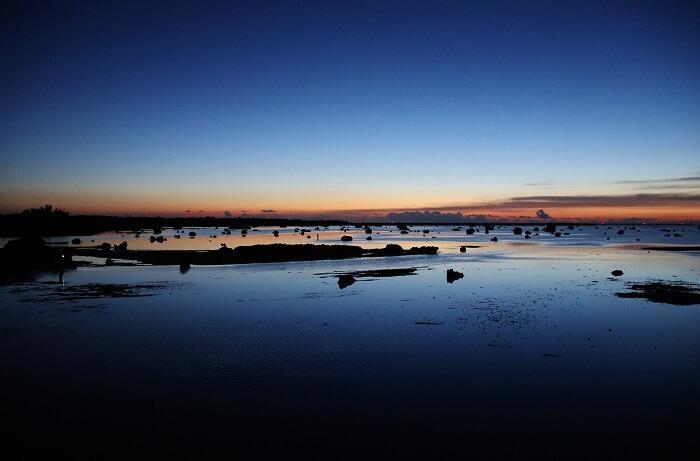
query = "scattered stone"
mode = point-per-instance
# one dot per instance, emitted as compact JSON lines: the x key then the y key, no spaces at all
{"x":617,"y":273}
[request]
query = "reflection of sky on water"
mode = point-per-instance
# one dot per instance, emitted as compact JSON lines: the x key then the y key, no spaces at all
{"x":530,"y":334}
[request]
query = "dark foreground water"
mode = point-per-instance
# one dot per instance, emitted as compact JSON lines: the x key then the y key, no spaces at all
{"x":531,"y":352}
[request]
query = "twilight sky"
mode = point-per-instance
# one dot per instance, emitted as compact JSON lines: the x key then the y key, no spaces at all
{"x":352,"y":108}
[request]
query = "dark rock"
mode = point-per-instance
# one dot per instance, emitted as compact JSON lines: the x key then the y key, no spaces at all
{"x":470,"y":231}
{"x":462,"y":249}
{"x":184,"y":267}
{"x":75,"y":241}
{"x":617,"y":273}
{"x":557,"y":234}
{"x":620,"y":232}
{"x":517,"y":230}
{"x":453,"y":275}
{"x":276,"y":233}
{"x":346,"y":238}
{"x":121,"y":247}
{"x":551,"y":228}
{"x":345,"y":280}
{"x":369,"y":237}
{"x":192,"y":234}
{"x":495,"y":239}
{"x":105,"y":246}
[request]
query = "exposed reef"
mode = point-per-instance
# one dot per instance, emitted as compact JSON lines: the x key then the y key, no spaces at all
{"x":659,"y":291}
{"x":277,"y":252}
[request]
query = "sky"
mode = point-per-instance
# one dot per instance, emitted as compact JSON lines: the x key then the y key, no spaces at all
{"x":356,"y":109}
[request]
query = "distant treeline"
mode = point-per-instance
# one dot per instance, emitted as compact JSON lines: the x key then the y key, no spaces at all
{"x":48,"y":221}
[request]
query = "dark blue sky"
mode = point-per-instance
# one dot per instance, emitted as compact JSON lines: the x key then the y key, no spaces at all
{"x":343,"y":104}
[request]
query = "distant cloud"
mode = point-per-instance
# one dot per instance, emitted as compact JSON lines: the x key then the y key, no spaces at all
{"x":564,"y":206}
{"x":227,"y":214}
{"x":661,"y":181}
{"x":542,"y":201}
{"x":542,"y":214}
{"x":188,"y":211}
{"x":542,"y":183}
{"x":433,"y":217}
{"x":268,"y":211}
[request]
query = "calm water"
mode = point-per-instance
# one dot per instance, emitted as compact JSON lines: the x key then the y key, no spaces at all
{"x":530,"y":348}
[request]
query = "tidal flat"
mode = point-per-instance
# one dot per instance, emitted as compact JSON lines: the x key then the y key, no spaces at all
{"x":536,"y":345}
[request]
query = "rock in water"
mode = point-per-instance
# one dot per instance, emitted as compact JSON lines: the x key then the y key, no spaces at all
{"x":517,"y":230}
{"x":617,"y":273}
{"x":346,"y":238}
{"x":75,"y":241}
{"x":462,"y":249}
{"x":453,"y":275}
{"x":345,"y":280}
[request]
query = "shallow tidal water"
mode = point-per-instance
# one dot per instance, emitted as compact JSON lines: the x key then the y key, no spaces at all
{"x":531,"y":348}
